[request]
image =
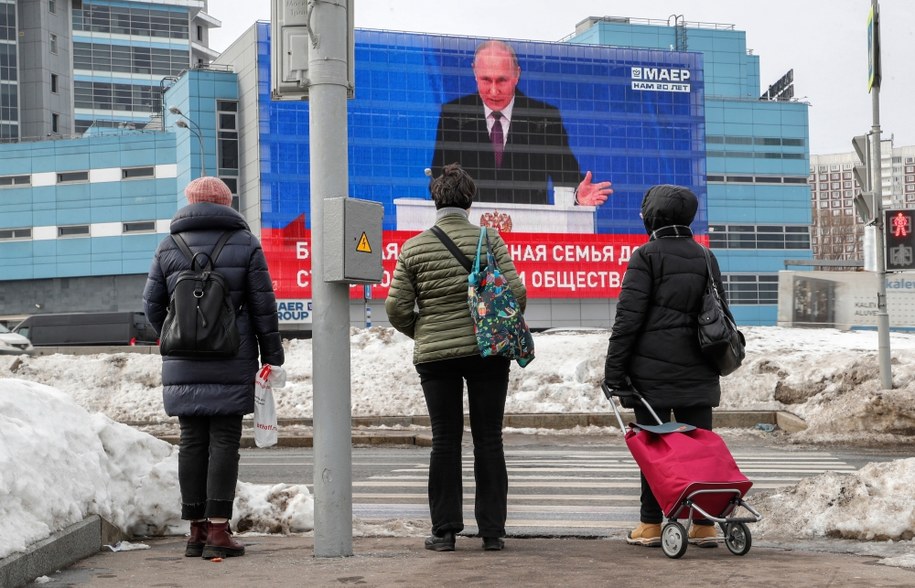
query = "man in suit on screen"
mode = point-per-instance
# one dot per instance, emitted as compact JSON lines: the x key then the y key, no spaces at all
{"x":511,"y":145}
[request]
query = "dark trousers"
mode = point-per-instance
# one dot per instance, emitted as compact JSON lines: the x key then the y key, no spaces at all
{"x":487,"y":386}
{"x":208,"y":465}
{"x":698,"y":416}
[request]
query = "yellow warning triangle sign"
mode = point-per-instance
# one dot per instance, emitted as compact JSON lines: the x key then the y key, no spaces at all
{"x":363,"y":245}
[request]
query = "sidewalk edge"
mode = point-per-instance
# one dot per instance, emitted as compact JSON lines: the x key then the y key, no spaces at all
{"x":60,"y":550}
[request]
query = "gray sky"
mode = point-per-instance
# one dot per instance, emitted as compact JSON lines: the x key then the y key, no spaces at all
{"x":825,"y":41}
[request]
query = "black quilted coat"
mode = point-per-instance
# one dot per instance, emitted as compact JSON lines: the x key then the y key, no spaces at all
{"x":224,"y":386}
{"x":654,"y":341}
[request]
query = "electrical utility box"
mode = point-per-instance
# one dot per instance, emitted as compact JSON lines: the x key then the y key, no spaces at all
{"x":291,"y":37}
{"x":352,"y":241}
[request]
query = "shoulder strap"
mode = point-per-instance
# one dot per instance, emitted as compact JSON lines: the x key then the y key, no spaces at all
{"x":476,"y":261}
{"x":220,"y":244}
{"x":708,"y":264}
{"x":182,"y":245}
{"x":192,"y":257}
{"x":454,"y":249}
{"x":714,"y":288}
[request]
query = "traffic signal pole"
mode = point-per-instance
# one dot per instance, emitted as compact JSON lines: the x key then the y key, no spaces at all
{"x":333,"y":488}
{"x":883,"y":317}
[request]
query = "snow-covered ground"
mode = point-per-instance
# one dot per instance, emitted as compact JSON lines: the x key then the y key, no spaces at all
{"x":65,"y":454}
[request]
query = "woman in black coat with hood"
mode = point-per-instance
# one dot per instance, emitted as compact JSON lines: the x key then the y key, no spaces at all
{"x":654,"y":344}
{"x":210,"y":396}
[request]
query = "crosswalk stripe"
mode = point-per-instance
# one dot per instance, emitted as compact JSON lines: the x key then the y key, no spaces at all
{"x":591,"y":492}
{"x":549,"y":489}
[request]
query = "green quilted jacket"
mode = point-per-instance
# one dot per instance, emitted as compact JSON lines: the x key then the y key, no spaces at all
{"x":427,"y":300}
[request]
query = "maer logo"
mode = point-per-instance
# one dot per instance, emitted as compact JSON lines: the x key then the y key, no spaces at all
{"x":660,"y":74}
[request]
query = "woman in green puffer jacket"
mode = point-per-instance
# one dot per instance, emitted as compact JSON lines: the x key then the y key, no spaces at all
{"x":427,"y":302}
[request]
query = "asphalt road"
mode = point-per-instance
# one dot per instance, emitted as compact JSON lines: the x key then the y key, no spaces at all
{"x":559,"y":485}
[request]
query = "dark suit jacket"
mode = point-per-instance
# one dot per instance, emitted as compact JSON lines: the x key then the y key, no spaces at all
{"x":537,"y":149}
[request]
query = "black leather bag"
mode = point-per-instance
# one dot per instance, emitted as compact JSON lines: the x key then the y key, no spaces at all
{"x":201,"y":319}
{"x":722,"y":343}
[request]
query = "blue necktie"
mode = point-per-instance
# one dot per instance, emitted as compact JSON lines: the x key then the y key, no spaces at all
{"x":496,"y":136}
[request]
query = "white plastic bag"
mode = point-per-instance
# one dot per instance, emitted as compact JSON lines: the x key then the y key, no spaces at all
{"x":265,"y":428}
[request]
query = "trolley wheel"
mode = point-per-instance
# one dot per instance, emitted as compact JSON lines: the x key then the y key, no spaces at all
{"x":673,"y":540}
{"x":737,"y":538}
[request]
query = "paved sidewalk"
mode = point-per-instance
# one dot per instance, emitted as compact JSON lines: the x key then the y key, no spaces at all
{"x":280,"y":561}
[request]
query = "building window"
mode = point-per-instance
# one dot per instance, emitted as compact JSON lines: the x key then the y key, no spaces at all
{"x":55,"y":123}
{"x":751,"y":289}
{"x":140,"y":227}
{"x":105,"y":96}
{"x":232,"y":183}
{"x":52,"y":6}
{"x":15,"y":181}
{"x":761,"y":236}
{"x":72,"y":177}
{"x":54,"y":86}
{"x":53,"y":42}
{"x":127,"y":59}
{"x":227,"y":133}
{"x":138,"y":21}
{"x":199,"y":33}
{"x":12,"y":234}
{"x":129,"y":173}
{"x":73,"y":231}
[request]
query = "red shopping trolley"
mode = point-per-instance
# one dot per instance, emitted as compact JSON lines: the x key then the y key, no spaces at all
{"x":693,"y":475}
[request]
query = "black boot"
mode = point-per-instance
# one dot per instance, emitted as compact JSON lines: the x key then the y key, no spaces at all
{"x":197,"y":539}
{"x":443,"y":543}
{"x":493,"y":544}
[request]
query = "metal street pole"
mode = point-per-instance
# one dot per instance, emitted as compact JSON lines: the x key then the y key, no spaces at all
{"x":195,"y":129}
{"x":203,"y":167}
{"x":327,"y":95}
{"x":883,"y":317}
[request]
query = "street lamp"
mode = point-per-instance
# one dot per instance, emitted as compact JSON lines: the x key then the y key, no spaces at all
{"x":183,"y":123}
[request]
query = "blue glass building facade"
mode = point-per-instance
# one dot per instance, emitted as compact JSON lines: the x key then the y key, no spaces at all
{"x":79,"y":218}
{"x":757,"y":157}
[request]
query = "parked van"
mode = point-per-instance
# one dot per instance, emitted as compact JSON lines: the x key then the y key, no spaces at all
{"x":14,"y":343}
{"x":87,"y":328}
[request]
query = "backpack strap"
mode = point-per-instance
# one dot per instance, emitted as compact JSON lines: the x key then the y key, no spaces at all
{"x":192,"y":257}
{"x":454,"y":249}
{"x":219,"y":245}
{"x":182,"y":245}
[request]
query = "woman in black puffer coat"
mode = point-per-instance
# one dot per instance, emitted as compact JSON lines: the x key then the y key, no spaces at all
{"x":654,"y":344}
{"x":210,"y":396}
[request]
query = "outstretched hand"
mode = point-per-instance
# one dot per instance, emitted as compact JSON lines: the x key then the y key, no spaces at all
{"x":589,"y":194}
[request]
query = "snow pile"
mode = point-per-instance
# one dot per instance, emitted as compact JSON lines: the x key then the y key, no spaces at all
{"x":66,"y":454}
{"x":60,"y":464}
{"x":828,"y":377}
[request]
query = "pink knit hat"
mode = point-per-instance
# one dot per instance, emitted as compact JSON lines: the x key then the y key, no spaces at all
{"x":208,"y":189}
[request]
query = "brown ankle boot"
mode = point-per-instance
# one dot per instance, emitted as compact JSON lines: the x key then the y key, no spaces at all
{"x":220,"y":543}
{"x":197,"y":539}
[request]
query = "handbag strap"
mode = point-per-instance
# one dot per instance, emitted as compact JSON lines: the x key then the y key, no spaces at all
{"x":708,"y":264}
{"x":476,"y":261}
{"x":454,"y":249}
{"x":713,"y":288}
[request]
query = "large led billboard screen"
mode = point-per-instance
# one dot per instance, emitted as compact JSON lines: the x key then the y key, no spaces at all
{"x":632,"y":117}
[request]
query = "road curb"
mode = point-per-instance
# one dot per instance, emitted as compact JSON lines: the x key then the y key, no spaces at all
{"x":377,"y":430}
{"x":60,"y":550}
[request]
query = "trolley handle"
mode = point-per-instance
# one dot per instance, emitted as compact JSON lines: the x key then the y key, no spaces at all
{"x":610,"y":393}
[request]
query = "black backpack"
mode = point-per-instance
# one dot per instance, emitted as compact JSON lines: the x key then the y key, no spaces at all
{"x":201,"y":319}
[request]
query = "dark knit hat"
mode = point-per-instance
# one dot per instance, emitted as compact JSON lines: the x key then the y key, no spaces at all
{"x":208,"y":189}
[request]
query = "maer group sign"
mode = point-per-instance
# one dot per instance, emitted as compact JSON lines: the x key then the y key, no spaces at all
{"x":631,"y":117}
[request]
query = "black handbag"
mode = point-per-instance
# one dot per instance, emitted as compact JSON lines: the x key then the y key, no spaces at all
{"x":722,"y":344}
